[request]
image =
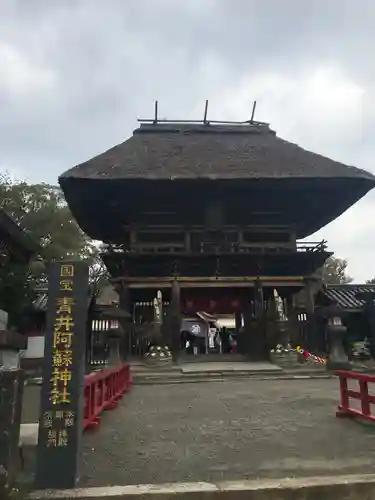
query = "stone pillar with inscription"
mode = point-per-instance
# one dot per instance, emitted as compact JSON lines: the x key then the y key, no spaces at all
{"x":61,"y":410}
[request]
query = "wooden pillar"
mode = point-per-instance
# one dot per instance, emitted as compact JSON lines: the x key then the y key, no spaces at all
{"x":293,"y":323}
{"x":124,"y":296}
{"x":258,"y":300}
{"x":261,"y":351}
{"x":247,"y":332}
{"x":123,"y":347}
{"x":309,"y":299}
{"x":238,"y":319}
{"x":172,"y":324}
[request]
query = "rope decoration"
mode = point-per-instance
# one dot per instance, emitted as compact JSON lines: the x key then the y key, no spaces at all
{"x":310,"y":357}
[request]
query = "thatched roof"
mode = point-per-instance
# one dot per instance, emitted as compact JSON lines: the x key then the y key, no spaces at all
{"x":192,"y":151}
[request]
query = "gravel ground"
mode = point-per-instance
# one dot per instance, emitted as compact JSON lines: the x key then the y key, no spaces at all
{"x":225,"y":431}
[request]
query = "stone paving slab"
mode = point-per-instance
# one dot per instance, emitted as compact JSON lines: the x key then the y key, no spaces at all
{"x":224,"y":431}
{"x":354,"y":487}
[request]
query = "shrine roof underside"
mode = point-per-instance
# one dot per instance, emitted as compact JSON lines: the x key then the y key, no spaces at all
{"x":235,"y":265}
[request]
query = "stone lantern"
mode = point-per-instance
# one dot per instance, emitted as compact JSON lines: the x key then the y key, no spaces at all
{"x":11,"y":383}
{"x":368,"y":309}
{"x":11,"y":344}
{"x":114,"y":335}
{"x":336,"y":331}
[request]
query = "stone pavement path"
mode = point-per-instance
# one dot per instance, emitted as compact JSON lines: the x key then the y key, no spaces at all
{"x":225,"y":431}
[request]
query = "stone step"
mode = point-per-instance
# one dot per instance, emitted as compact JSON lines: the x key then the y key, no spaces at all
{"x":213,"y":358}
{"x":220,"y":377}
{"x":151,"y":369}
{"x":156,"y":374}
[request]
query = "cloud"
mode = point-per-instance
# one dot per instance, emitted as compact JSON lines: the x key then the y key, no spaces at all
{"x":19,"y":77}
{"x":75,"y":75}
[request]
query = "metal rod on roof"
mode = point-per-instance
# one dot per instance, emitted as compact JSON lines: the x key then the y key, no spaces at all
{"x":223,"y":122}
{"x":205,"y":112}
{"x":238,"y":123}
{"x":149,"y":120}
{"x":156,"y":113}
{"x":253,"y":112}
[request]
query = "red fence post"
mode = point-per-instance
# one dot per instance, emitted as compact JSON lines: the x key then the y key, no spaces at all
{"x":365,"y":404}
{"x":344,"y":398}
{"x":103,"y":390}
{"x":363,"y":380}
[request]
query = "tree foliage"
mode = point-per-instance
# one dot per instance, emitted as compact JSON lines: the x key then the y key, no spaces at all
{"x":98,"y":273}
{"x":334,"y":272}
{"x":41,"y":210}
{"x":371,"y":281}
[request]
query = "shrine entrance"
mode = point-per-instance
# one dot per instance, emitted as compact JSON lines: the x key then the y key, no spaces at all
{"x":216,"y":317}
{"x":211,"y":321}
{"x":248,"y":319}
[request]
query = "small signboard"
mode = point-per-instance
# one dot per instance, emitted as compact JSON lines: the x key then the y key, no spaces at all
{"x":61,"y":413}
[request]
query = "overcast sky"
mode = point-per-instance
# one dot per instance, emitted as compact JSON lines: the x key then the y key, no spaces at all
{"x":75,"y":75}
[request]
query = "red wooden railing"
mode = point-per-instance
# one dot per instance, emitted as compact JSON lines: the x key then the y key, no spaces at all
{"x":102,"y":392}
{"x":366,"y":400}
